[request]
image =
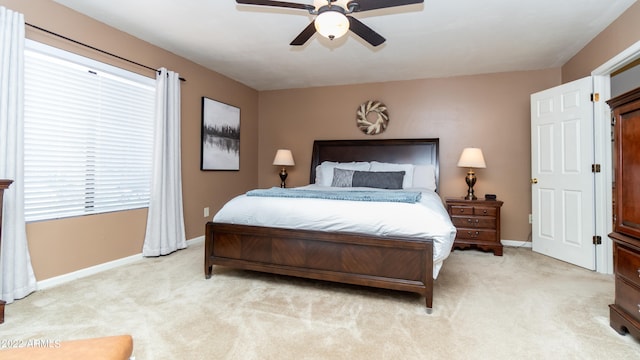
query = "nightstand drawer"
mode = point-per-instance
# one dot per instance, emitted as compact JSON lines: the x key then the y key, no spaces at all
{"x":627,"y":265}
{"x":461,"y":210}
{"x":473,"y":234}
{"x":485,"y":211}
{"x":473,"y":210}
{"x":474,"y":222}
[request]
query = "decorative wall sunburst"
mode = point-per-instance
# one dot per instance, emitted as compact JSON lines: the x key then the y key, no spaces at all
{"x":365,"y":117}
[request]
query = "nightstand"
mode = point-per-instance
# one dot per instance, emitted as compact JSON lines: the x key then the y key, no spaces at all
{"x":477,"y":222}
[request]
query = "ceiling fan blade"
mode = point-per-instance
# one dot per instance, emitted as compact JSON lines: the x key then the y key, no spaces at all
{"x":305,"y":35}
{"x":365,"y":32}
{"x":284,"y":4}
{"x":364,"y":5}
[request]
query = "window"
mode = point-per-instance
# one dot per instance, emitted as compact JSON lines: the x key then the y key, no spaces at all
{"x":88,"y":135}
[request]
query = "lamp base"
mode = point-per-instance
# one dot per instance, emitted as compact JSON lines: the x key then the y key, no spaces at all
{"x":470,"y":196}
{"x":470,"y":180}
{"x":283,"y":177}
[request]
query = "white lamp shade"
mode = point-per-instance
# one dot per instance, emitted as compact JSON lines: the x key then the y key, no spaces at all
{"x":472,"y":158}
{"x":331,"y":24}
{"x":284,"y":157}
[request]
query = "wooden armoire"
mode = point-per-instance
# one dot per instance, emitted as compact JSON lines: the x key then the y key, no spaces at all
{"x":624,"y":313}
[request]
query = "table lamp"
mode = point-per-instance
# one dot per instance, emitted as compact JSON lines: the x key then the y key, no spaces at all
{"x":471,"y":158}
{"x":283,"y":158}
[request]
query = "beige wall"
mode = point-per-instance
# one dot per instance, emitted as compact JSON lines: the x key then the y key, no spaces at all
{"x":486,"y":111}
{"x":621,"y":34}
{"x":63,"y":246}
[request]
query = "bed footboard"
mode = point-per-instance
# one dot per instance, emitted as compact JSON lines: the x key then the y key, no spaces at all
{"x":403,"y":264}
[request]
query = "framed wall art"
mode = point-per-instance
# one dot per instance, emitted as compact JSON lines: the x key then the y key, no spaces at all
{"x":220,"y":136}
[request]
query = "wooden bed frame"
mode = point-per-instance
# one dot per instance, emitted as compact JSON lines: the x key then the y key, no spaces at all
{"x":396,"y":263}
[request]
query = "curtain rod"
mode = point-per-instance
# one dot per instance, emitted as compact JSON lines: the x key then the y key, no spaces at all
{"x":94,"y":48}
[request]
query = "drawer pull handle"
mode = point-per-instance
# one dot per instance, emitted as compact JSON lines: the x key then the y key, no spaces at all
{"x":484,"y":211}
{"x":638,"y":272}
{"x":475,"y":235}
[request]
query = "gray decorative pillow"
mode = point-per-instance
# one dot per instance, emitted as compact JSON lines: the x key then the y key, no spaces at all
{"x":342,"y":177}
{"x":372,"y":179}
{"x":378,"y":179}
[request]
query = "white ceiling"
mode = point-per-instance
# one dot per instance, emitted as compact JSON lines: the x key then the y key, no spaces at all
{"x":436,"y":39}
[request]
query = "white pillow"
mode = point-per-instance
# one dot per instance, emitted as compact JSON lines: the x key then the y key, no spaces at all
{"x":408,"y":169}
{"x":324,"y":171}
{"x":424,"y":176}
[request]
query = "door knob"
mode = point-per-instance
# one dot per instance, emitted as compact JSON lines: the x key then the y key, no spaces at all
{"x":534,"y":181}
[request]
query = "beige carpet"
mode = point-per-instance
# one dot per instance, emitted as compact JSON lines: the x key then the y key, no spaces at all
{"x":519,"y":306}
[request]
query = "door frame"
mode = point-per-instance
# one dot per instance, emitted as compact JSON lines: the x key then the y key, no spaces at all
{"x":603,"y":154}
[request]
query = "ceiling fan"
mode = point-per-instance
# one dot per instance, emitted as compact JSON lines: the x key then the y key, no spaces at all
{"x":332,"y":20}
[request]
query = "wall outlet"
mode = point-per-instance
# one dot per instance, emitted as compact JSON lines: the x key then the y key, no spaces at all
{"x":530,"y":219}
{"x":206,"y":212}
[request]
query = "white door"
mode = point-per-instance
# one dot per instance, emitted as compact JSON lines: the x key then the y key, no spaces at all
{"x":562,"y":182}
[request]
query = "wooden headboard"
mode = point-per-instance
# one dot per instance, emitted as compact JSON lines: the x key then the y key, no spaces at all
{"x":399,"y":151}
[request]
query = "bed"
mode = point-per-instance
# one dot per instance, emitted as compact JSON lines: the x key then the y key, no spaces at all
{"x":345,"y":253}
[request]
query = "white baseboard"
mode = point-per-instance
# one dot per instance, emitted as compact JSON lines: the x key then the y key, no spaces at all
{"x":61,"y":279}
{"x":197,"y":240}
{"x":516,"y":243}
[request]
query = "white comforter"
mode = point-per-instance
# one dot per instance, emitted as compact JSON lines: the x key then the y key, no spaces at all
{"x":427,"y":218}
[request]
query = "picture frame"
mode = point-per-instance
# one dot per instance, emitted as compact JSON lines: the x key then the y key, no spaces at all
{"x":220,"y":142}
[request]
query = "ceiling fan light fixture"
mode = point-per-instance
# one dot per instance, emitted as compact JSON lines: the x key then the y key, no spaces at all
{"x":331,"y":24}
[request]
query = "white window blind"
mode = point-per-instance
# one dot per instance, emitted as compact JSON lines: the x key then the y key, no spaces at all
{"x":88,"y":135}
